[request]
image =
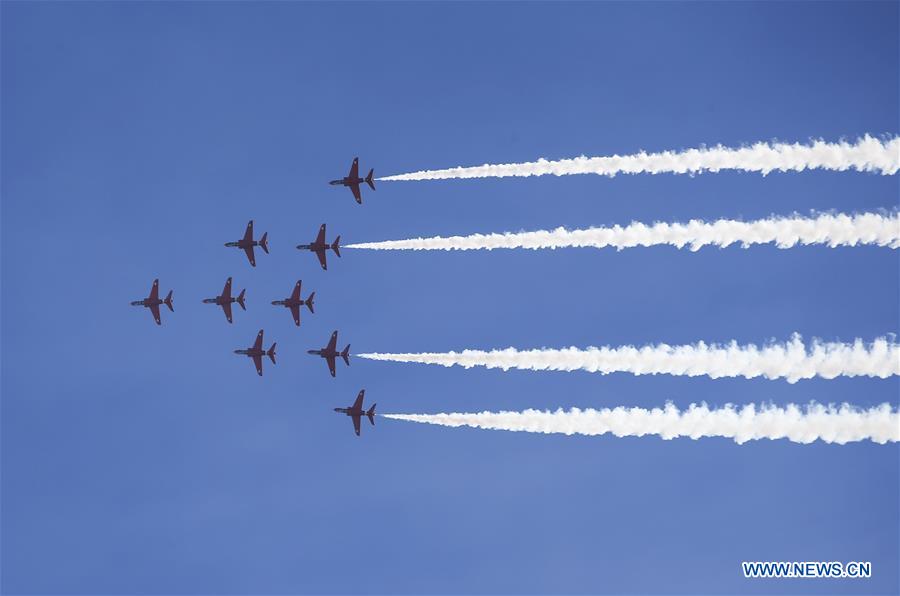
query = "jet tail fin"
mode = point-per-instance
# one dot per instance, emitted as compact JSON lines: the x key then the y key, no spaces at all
{"x":309,"y":302}
{"x":271,"y":353}
{"x":168,"y":301}
{"x":371,"y":414}
{"x":370,"y":179}
{"x":336,"y":246}
{"x":264,"y":242}
{"x":346,"y":354}
{"x":240,"y":299}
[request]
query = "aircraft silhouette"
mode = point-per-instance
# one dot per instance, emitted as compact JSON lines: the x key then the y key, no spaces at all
{"x":353,"y":180}
{"x":294,"y":302}
{"x":257,"y":352}
{"x":152,"y":301}
{"x":320,"y":246}
{"x":225,"y":300}
{"x":330,"y":353}
{"x":247,"y":243}
{"x":356,"y":412}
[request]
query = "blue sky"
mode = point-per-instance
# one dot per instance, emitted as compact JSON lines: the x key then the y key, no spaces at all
{"x":138,"y":138}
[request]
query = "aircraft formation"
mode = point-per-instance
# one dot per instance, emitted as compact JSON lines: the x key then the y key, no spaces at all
{"x":257,"y":352}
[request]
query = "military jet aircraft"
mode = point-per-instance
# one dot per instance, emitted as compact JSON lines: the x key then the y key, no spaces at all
{"x":226,"y":300}
{"x":152,"y":301}
{"x":356,"y":412}
{"x":330,"y":353}
{"x":320,"y":246}
{"x":257,"y":352}
{"x":353,"y":180}
{"x":295,"y":302}
{"x":247,"y":243}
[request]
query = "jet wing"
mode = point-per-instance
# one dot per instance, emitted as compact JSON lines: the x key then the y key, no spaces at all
{"x":248,"y":234}
{"x":154,"y":291}
{"x":295,"y":295}
{"x":332,"y":343}
{"x":226,"y":293}
{"x":154,"y":308}
{"x":257,"y":360}
{"x":354,"y":188}
{"x":257,"y":345}
{"x":330,"y":360}
{"x":356,"y":420}
{"x":249,"y":251}
{"x":320,"y":239}
{"x":354,"y":169}
{"x":295,"y":312}
{"x":323,"y":260}
{"x":357,"y":405}
{"x":226,"y":306}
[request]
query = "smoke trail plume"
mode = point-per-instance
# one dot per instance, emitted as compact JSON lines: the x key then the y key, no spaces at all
{"x":791,"y":360}
{"x":785,"y":232}
{"x":844,"y":424}
{"x":867,"y":154}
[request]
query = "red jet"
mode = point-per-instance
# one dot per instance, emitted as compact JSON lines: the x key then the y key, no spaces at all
{"x":353,"y":180}
{"x":247,"y":243}
{"x":225,"y":300}
{"x":295,"y":302}
{"x":330,"y":353}
{"x":356,"y":412}
{"x":152,"y":301}
{"x":257,"y":352}
{"x":320,"y":246}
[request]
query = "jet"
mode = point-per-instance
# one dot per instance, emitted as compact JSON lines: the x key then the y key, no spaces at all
{"x":152,"y":301}
{"x":257,"y":352}
{"x":330,"y":353}
{"x":356,"y":411}
{"x":353,"y":180}
{"x":295,"y":302}
{"x":247,"y":243}
{"x":225,"y":300}
{"x":320,"y":246}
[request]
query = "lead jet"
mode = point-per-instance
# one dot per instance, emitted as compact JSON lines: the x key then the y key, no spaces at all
{"x":247,"y":243}
{"x":295,"y":302}
{"x":257,"y":352}
{"x":152,"y":301}
{"x":330,"y":353}
{"x":356,"y":412}
{"x":353,"y":180}
{"x":320,"y":246}
{"x":226,"y":300}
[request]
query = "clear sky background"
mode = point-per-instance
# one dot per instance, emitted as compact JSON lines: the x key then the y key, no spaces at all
{"x":138,"y":138}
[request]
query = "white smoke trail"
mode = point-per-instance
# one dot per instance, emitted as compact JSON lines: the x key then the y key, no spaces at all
{"x":785,"y":232}
{"x":867,"y":154}
{"x":844,"y":424}
{"x":791,"y":360}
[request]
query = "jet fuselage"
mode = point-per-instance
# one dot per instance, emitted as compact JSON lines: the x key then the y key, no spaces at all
{"x":347,"y":181}
{"x":146,"y":302}
{"x":244,"y":243}
{"x":314,"y":246}
{"x":251,"y":352}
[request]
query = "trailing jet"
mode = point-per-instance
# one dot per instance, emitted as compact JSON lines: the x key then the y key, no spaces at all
{"x":152,"y":301}
{"x":320,"y":246}
{"x":330,"y":353}
{"x":356,"y":412}
{"x":353,"y":180}
{"x":257,"y":352}
{"x":225,"y":300}
{"x":247,"y":243}
{"x":295,"y":302}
